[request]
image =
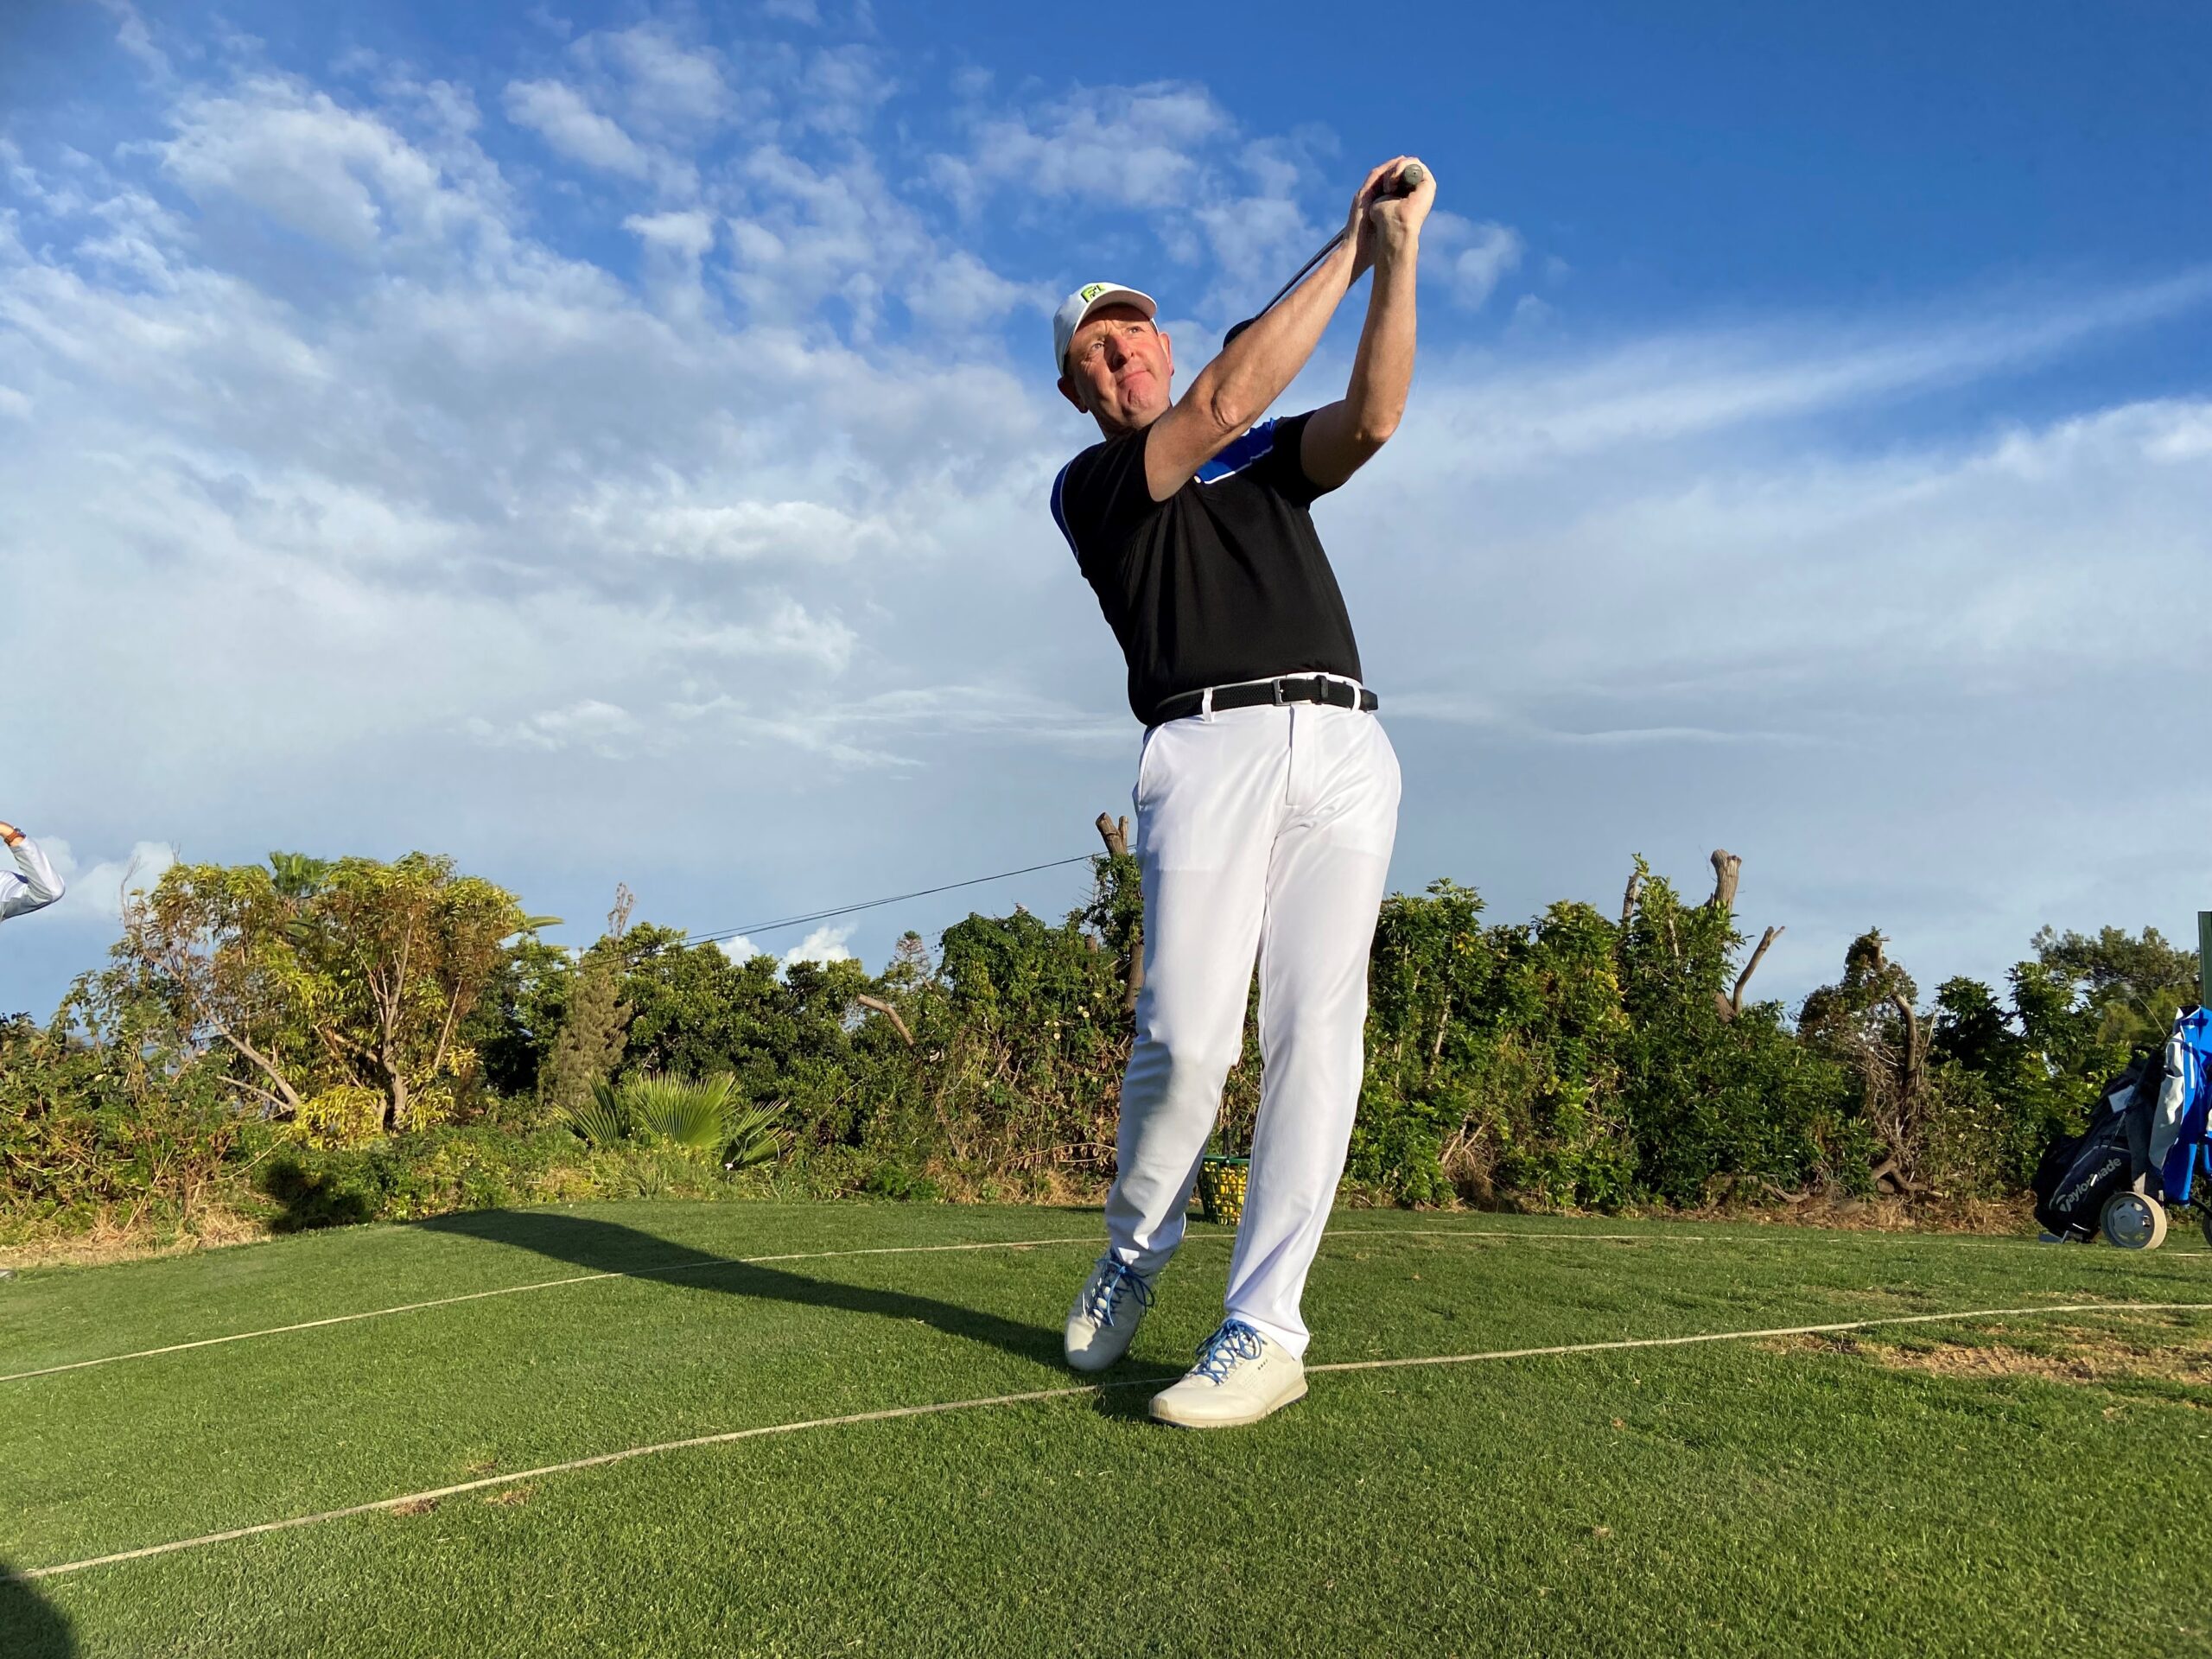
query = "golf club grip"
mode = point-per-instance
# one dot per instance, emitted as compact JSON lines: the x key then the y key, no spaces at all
{"x":1409,"y":179}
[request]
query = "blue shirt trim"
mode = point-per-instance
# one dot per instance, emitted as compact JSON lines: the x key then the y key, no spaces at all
{"x":1255,"y":445}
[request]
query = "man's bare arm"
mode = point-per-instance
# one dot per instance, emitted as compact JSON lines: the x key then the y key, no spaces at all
{"x":1342,"y":436}
{"x":1234,"y":390}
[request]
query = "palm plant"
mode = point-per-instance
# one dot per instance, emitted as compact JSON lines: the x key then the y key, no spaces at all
{"x":600,"y":1117}
{"x":751,"y":1137}
{"x":696,"y":1114}
{"x":691,"y":1112}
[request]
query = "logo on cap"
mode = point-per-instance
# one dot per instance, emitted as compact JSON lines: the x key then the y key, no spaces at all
{"x":1090,"y":291}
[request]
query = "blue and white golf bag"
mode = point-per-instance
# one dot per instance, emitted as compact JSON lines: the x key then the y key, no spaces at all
{"x":2148,"y":1146}
{"x":2180,"y":1126}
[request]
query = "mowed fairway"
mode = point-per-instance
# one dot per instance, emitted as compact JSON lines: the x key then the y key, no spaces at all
{"x":2012,"y":1482}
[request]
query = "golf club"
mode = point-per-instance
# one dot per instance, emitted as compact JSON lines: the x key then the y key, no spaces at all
{"x":1405,"y":184}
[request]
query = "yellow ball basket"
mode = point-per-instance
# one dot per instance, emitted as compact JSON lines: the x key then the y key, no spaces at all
{"x":1221,"y":1189}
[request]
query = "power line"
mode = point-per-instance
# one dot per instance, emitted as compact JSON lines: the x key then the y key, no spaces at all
{"x":874,"y":904}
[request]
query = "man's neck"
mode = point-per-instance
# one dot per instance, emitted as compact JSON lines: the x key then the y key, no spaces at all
{"x":1112,"y":428}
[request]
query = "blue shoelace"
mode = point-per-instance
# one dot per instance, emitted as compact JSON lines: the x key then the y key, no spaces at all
{"x":1233,"y":1343}
{"x":1107,"y":1290}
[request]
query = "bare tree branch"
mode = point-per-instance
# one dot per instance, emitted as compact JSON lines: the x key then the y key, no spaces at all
{"x":1116,"y":833}
{"x":1726,"y":866}
{"x":890,"y":1013}
{"x":1913,"y":1062}
{"x":254,"y":1057}
{"x":1733,"y":1005}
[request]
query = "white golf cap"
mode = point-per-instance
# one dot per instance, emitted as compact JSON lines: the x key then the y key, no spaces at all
{"x":1085,"y":300}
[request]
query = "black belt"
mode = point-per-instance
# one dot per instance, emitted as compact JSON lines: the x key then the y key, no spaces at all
{"x":1258,"y":693}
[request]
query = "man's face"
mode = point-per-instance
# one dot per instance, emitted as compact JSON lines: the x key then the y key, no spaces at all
{"x":1119,"y":369}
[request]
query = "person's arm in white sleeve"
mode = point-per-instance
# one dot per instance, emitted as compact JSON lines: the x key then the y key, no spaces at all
{"x":37,"y":886}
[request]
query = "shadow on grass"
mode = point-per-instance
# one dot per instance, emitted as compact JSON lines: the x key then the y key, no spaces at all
{"x":29,"y":1627}
{"x":1129,"y":1398}
{"x":609,"y":1247}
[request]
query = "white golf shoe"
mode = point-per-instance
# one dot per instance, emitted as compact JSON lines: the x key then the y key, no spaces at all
{"x":1240,"y":1377}
{"x":1107,"y":1311}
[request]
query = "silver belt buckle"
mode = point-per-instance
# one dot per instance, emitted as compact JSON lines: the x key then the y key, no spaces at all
{"x":1276,"y":687}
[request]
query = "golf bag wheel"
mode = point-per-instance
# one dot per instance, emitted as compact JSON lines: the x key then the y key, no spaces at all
{"x":2134,"y":1221}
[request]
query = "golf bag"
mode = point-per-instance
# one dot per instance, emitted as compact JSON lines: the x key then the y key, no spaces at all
{"x":2148,"y":1146}
{"x":2080,"y":1173}
{"x":2180,"y":1128}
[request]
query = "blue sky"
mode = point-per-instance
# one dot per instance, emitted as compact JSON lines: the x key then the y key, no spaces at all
{"x":609,"y":442}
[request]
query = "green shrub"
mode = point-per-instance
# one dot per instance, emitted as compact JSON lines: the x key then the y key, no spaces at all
{"x":407,"y":1176}
{"x":1572,"y":1059}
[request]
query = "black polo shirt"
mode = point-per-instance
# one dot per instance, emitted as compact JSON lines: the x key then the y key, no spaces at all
{"x":1224,"y":580}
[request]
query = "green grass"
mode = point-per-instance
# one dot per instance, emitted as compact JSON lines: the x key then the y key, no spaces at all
{"x":1748,"y":1498}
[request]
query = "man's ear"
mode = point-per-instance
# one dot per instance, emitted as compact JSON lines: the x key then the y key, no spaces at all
{"x":1068,"y":391}
{"x":1167,"y":348}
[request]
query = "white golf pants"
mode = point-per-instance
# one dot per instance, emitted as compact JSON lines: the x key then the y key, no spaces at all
{"x":1260,"y":832}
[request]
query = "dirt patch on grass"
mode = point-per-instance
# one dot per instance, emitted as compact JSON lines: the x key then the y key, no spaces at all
{"x":1767,"y":1207}
{"x":1986,"y":1216}
{"x":2079,"y":1355}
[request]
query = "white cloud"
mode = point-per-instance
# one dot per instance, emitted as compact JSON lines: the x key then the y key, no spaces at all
{"x":1257,"y":242}
{"x":670,"y":525}
{"x":558,"y":113}
{"x":1131,"y":146}
{"x":348,"y":179}
{"x":1531,"y":313}
{"x":134,"y":38}
{"x":840,"y":90}
{"x":687,"y":234}
{"x":959,"y":291}
{"x":823,"y":944}
{"x":668,"y":84}
{"x":676,"y":244}
{"x":1561,"y":408}
{"x":94,"y":895}
{"x":602,"y":729}
{"x":1472,"y":258}
{"x":467,"y":515}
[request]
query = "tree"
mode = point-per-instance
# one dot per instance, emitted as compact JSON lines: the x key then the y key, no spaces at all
{"x":1868,"y":1021}
{"x":1116,"y":913}
{"x":326,"y":982}
{"x":1718,"y":1094}
{"x":2127,"y":989}
{"x":2004,"y":1099}
{"x":595,"y":1032}
{"x":208,"y":945}
{"x":394,"y":958}
{"x":521,"y":1014}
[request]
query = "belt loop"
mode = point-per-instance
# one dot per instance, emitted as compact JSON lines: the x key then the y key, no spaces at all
{"x":1205,"y":704}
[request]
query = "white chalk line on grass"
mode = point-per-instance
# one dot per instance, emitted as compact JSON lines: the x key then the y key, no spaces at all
{"x":1035,"y":1395}
{"x":763,"y":1261}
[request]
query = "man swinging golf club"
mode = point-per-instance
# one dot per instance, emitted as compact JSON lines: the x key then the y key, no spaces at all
{"x":1267,"y":794}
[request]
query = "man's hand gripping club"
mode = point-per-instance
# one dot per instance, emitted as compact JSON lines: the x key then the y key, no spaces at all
{"x":1382,"y":230}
